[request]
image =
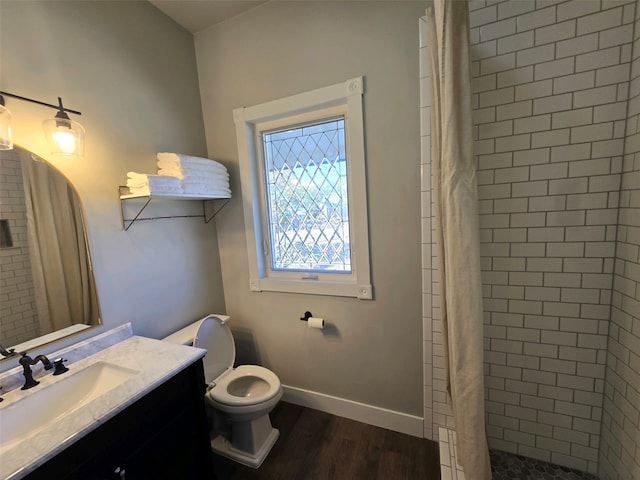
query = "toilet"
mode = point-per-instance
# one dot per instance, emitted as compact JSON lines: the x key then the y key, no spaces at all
{"x":238,"y":399}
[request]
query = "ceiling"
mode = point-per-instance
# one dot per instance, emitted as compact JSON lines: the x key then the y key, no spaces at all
{"x":196,"y":15}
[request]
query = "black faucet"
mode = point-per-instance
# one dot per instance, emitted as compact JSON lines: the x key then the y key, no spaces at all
{"x":26,"y":361}
{"x":7,"y":353}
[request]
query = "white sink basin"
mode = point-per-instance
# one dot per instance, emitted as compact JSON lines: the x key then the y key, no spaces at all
{"x":39,"y":409}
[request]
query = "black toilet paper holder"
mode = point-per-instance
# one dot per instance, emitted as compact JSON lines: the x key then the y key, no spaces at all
{"x":307,"y":316}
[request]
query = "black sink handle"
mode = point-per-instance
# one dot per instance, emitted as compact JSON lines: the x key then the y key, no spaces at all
{"x":58,"y":364}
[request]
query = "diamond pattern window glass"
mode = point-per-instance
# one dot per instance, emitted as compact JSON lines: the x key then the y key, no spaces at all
{"x":306,"y":190}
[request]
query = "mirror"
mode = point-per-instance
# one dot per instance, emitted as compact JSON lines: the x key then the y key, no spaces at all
{"x":47,"y":287}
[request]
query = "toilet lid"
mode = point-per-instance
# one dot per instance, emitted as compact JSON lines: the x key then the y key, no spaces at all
{"x":216,"y":338}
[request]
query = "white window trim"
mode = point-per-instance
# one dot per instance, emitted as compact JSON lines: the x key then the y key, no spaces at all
{"x":349,"y":95}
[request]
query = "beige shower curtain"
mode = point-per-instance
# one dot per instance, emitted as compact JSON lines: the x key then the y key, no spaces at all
{"x":58,"y":250}
{"x":457,"y":236}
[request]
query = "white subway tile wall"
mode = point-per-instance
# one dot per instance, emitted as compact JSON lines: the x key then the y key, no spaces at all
{"x":556,"y":158}
{"x":620,"y":442}
{"x":450,"y":469}
{"x":17,"y":297}
{"x":427,"y":297}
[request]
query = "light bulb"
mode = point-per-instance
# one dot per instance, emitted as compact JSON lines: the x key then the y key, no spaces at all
{"x":66,"y":141}
{"x":65,"y":137}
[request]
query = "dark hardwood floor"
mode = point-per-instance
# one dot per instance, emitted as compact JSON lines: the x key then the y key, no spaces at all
{"x":314,"y":445}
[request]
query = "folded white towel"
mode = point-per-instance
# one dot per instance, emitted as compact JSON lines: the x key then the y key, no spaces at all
{"x":148,"y":190}
{"x":186,"y":173}
{"x":205,"y":181}
{"x":140,"y":180}
{"x":182,"y":158}
{"x":217,"y":186}
{"x":136,"y":175}
{"x":177,"y":168}
{"x":166,"y":159}
{"x":207,"y":190}
{"x":209,"y":194}
{"x":145,"y":184}
{"x":192,"y":164}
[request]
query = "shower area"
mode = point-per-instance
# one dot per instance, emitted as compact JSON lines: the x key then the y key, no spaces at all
{"x":19,"y":311}
{"x":556,"y":107}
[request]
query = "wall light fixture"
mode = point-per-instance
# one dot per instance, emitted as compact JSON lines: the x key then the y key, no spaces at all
{"x":64,"y":136}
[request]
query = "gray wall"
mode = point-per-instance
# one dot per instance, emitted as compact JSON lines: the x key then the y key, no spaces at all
{"x":132,"y":73}
{"x":372,"y":350}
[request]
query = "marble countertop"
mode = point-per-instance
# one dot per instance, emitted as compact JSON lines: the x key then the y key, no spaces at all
{"x":157,"y":361}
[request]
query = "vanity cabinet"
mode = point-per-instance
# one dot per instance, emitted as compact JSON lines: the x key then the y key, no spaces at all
{"x":164,"y":435}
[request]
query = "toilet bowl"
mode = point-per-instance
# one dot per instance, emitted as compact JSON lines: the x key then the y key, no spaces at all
{"x":238,"y":399}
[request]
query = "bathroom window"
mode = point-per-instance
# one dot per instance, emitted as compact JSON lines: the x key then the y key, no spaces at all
{"x":303,"y":178}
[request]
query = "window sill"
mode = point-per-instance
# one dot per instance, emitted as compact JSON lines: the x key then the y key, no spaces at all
{"x":313,"y":287}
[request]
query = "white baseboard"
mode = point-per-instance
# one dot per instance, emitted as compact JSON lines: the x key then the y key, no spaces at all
{"x":379,"y":417}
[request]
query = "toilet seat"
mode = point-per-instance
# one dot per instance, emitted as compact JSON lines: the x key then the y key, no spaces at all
{"x":268,"y":386}
{"x":215,"y":336}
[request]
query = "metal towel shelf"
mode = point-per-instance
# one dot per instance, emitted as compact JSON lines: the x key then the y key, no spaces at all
{"x":127,"y":222}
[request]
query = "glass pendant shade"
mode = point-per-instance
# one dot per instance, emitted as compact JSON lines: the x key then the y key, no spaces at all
{"x":64,"y":136}
{"x":6,"y":137}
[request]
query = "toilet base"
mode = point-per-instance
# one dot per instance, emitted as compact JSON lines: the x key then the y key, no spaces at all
{"x":222,"y":446}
